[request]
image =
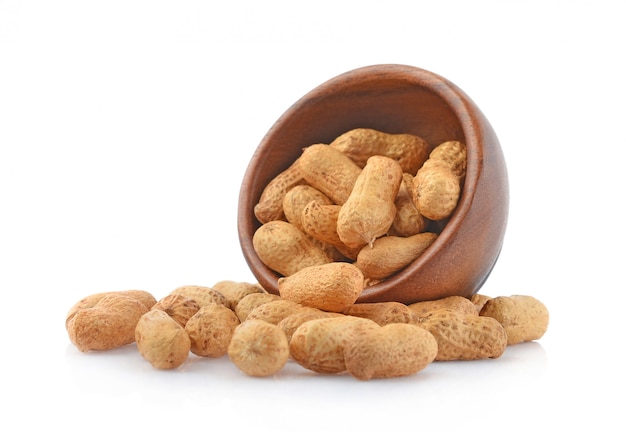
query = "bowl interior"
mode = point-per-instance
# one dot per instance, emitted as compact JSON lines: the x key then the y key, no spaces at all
{"x":389,"y":98}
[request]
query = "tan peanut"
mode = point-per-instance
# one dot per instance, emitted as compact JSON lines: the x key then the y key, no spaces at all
{"x":329,"y":170}
{"x":320,"y":222}
{"x":390,"y":254}
{"x":251,"y":301}
{"x":291,"y":322}
{"x":285,"y":249}
{"x":523,"y":317}
{"x":330,"y":287}
{"x":449,"y":155}
{"x":201,"y":294}
{"x":318,"y":344}
{"x":270,"y":205}
{"x":394,"y":350}
{"x":458,"y":303}
{"x":465,"y":337}
{"x":370,"y":209}
{"x":109,"y":323}
{"x":297,"y":198}
{"x":275,"y":311}
{"x":211,"y":329}
{"x":234,"y":291}
{"x":383,"y":313}
{"x":161,"y":340}
{"x":91,"y":300}
{"x":179,"y":307}
{"x":408,"y":220}
{"x":479,"y":300}
{"x":437,"y":184}
{"x":258,"y":348}
{"x":410,"y":151}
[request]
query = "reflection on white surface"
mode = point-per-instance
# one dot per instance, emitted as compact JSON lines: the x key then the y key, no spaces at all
{"x":216,"y":384}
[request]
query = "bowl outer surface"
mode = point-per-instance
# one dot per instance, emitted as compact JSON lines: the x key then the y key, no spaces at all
{"x":396,"y":99}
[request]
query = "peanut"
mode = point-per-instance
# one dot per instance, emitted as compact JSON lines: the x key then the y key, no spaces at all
{"x":523,"y":317}
{"x":234,"y":291}
{"x":408,"y":220}
{"x":390,"y":254}
{"x":370,"y":209}
{"x":318,"y":344}
{"x":329,"y":170}
{"x":270,"y":204}
{"x":285,"y":249}
{"x":275,"y":311}
{"x":161,"y":340}
{"x":383,"y":313}
{"x":394,"y":350}
{"x":91,"y":300}
{"x":330,"y":287}
{"x":201,"y":294}
{"x":457,"y":303}
{"x":479,"y":300}
{"x":211,"y":329}
{"x":465,"y":337}
{"x":320,"y":222}
{"x":449,"y":155}
{"x":297,"y":198}
{"x":251,"y":301}
{"x":291,"y":322}
{"x":179,"y":307}
{"x":258,"y":348}
{"x":109,"y":323}
{"x":410,"y":151}
{"x":437,"y":184}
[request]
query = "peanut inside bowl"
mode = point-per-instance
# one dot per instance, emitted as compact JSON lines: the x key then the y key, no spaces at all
{"x":396,"y":99}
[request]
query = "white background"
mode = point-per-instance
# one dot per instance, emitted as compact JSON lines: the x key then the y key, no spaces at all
{"x":125,"y":130}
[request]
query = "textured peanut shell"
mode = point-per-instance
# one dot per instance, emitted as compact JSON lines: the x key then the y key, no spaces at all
{"x":408,"y":220}
{"x":290,"y":323}
{"x":275,"y":311}
{"x":285,"y":249}
{"x":394,"y":350}
{"x":108,"y":324}
{"x":179,"y":307}
{"x":318,"y":345}
{"x":383,"y":313}
{"x":234,"y":291}
{"x":465,"y":337}
{"x":258,"y":348}
{"x":161,"y":340}
{"x":320,"y":222}
{"x":91,"y":300}
{"x":297,"y":198}
{"x":523,"y":317}
{"x":330,"y":287}
{"x":251,"y":301}
{"x":370,"y":209}
{"x":410,"y":151}
{"x":270,"y":205}
{"x":449,"y":155}
{"x":390,"y":254}
{"x":436,"y":193}
{"x":201,"y":294}
{"x":211,"y":329}
{"x":458,"y":303}
{"x":329,"y":170}
{"x":479,"y":301}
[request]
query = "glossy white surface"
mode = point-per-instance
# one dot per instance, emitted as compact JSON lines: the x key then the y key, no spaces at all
{"x":125,"y":129}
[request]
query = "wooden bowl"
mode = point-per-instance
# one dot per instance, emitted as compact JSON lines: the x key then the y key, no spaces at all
{"x":397,"y":99}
